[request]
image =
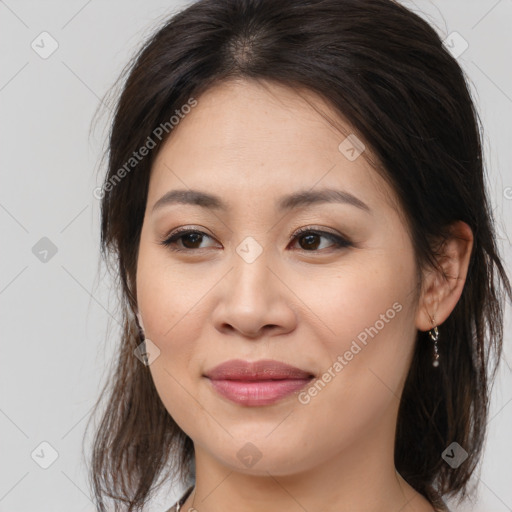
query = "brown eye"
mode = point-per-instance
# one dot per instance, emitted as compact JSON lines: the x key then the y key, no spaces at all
{"x":190,"y":240}
{"x":310,"y":240}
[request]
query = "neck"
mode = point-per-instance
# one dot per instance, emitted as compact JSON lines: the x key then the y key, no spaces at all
{"x":361,"y":477}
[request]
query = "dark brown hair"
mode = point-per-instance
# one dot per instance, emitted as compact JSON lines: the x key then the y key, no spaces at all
{"x":385,"y":71}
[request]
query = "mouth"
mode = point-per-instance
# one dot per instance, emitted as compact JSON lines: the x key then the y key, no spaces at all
{"x":257,"y":383}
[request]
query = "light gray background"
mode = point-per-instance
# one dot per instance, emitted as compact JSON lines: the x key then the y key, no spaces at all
{"x":56,"y":350}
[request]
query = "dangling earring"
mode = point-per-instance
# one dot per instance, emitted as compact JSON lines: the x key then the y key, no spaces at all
{"x":141,"y":350}
{"x":434,"y":335}
{"x":141,"y":334}
{"x":140,"y":327}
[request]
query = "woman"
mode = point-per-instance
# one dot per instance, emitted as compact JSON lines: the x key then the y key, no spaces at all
{"x":312,"y":293}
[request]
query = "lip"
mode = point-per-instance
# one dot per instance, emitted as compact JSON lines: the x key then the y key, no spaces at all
{"x":257,"y":383}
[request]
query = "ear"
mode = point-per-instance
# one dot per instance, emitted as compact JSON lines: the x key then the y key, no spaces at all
{"x":441,"y":291}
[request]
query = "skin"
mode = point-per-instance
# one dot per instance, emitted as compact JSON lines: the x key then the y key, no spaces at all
{"x":304,"y":306}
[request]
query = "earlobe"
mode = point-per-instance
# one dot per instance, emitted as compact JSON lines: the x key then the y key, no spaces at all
{"x":443,"y":288}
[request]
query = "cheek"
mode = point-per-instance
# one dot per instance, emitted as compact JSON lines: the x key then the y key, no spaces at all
{"x":372,"y":292}
{"x":167,"y":293}
{"x":365,"y":361}
{"x":173,"y":299}
{"x":367,"y":312}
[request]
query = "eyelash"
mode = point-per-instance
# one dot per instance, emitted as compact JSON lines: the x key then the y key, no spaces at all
{"x":339,"y":241}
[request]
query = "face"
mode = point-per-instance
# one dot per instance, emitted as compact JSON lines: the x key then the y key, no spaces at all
{"x":336,"y":300}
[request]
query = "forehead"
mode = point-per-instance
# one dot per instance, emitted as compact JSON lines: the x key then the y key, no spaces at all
{"x":266,"y":138}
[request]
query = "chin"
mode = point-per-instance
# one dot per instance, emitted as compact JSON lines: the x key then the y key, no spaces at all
{"x":260,"y":460}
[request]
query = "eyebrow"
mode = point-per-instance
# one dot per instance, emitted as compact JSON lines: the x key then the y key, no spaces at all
{"x":285,"y":203}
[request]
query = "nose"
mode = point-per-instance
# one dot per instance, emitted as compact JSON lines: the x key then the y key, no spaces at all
{"x":255,"y":300}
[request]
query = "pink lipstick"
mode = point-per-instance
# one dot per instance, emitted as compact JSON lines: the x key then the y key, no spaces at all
{"x":258,"y":383}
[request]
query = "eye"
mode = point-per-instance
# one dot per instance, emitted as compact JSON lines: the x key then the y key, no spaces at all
{"x":191,"y":239}
{"x":311,"y":237}
{"x":188,"y":237}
